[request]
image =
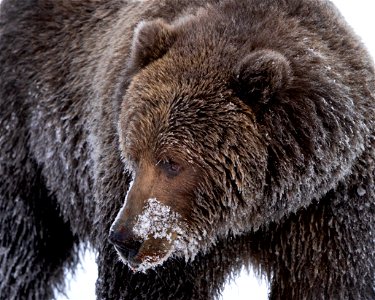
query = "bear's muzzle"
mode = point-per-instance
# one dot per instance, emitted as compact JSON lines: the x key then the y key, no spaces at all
{"x":125,"y":243}
{"x":147,"y":240}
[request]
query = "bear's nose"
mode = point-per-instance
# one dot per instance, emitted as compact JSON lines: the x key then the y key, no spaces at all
{"x":125,"y":242}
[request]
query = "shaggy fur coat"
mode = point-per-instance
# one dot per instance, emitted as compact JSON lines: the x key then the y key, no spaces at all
{"x":266,"y":112}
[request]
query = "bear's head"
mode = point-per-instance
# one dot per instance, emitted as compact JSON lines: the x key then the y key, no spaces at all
{"x":190,"y":140}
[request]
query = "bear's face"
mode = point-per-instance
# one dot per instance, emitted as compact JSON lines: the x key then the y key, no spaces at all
{"x":191,"y":144}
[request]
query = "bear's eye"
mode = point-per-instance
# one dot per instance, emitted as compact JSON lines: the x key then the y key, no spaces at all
{"x":170,"y":167}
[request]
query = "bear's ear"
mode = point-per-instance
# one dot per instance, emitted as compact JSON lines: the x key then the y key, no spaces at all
{"x":152,"y":39}
{"x":260,"y":75}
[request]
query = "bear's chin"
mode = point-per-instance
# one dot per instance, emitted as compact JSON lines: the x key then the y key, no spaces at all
{"x":145,"y":259}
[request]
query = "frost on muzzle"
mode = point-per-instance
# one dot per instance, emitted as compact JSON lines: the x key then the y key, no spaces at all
{"x":157,"y":233}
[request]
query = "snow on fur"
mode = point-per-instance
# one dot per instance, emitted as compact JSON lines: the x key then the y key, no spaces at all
{"x":157,"y":221}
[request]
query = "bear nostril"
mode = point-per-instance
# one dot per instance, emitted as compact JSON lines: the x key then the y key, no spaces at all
{"x":130,"y":248}
{"x":125,"y":243}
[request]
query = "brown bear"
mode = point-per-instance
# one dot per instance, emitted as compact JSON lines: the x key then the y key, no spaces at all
{"x":183,"y":140}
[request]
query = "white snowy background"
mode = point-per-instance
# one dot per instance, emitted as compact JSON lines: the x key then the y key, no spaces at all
{"x":361,"y":15}
{"x":81,"y":286}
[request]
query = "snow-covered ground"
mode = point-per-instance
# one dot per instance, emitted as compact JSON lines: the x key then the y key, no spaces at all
{"x":82,"y":285}
{"x":360,"y":14}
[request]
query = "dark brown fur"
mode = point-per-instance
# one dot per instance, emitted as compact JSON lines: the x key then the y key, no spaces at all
{"x":253,"y":121}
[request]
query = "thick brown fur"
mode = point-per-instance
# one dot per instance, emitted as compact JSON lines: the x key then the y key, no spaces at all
{"x":253,"y":121}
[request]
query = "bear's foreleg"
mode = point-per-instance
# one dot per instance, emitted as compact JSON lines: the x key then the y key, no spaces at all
{"x":35,"y":242}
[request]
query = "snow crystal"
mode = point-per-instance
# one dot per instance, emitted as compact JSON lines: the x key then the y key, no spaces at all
{"x":315,"y":53}
{"x":157,"y":221}
{"x":3,"y":250}
{"x":361,"y":191}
